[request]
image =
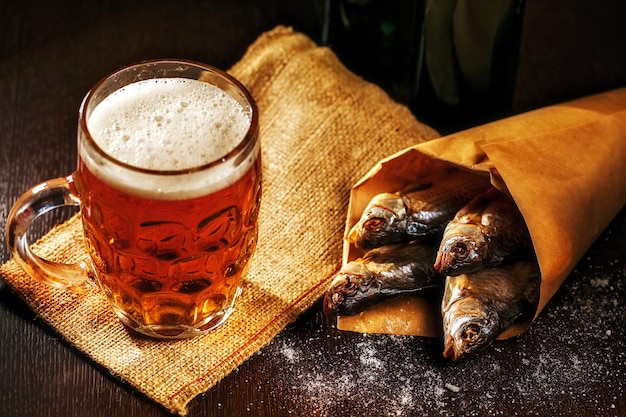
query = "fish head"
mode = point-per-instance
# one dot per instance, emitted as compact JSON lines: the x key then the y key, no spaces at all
{"x":463,"y":247}
{"x":383,"y":222}
{"x":469,"y":327}
{"x":343,"y":293}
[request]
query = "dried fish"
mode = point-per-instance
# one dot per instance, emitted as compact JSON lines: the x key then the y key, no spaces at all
{"x":424,"y":210}
{"x":382,"y":273}
{"x":486,"y":232}
{"x":478,"y":307}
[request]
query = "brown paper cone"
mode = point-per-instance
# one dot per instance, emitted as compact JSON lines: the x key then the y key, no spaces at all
{"x":564,"y":165}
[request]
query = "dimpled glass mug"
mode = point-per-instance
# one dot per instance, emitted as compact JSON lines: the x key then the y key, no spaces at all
{"x":169,"y":186}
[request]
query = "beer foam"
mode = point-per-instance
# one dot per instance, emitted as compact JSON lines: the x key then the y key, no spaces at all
{"x":168,"y":124}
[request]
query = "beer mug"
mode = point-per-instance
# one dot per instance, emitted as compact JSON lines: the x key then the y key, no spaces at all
{"x":169,"y":185}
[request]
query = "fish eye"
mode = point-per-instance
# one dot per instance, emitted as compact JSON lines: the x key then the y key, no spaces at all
{"x":460,"y":250}
{"x":470,"y":333}
{"x":374,"y":223}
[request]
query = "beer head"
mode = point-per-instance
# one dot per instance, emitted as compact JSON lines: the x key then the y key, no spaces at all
{"x":169,"y":137}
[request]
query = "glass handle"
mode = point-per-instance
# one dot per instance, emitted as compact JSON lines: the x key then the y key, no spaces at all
{"x":38,"y":200}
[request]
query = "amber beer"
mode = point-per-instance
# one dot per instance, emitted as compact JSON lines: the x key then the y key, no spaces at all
{"x":169,"y":178}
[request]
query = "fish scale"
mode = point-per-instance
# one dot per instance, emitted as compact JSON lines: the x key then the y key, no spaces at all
{"x":422,"y":210}
{"x":477,"y":307}
{"x":485,"y":232}
{"x":382,"y":273}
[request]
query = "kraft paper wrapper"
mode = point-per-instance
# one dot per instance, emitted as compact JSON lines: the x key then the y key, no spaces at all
{"x":565,"y":167}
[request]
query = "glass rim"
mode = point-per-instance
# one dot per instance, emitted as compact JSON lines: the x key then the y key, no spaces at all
{"x":243,"y":144}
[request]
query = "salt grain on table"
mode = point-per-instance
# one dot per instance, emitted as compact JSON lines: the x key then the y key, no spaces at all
{"x":360,"y":375}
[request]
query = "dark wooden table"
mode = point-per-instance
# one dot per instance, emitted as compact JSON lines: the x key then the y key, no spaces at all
{"x":572,"y":361}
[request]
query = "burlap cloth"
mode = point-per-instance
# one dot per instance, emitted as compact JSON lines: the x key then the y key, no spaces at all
{"x":322,"y":128}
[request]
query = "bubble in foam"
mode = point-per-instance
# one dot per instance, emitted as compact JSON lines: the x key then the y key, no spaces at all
{"x":163,"y":124}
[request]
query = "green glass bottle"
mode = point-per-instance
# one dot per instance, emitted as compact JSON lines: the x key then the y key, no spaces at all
{"x":377,"y":39}
{"x":453,"y":62}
